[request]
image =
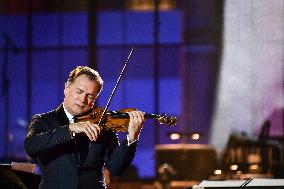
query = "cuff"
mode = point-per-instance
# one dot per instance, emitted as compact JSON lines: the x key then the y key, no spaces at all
{"x":72,"y":134}
{"x":129,"y":143}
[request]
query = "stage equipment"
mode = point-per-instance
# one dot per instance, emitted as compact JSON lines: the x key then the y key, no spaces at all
{"x":18,"y":176}
{"x":185,"y":161}
{"x":249,"y":156}
{"x":249,"y":183}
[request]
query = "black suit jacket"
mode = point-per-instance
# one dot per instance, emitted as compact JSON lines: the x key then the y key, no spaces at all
{"x":73,"y":163}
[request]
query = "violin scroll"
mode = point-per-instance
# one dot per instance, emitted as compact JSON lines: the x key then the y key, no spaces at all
{"x":170,"y":121}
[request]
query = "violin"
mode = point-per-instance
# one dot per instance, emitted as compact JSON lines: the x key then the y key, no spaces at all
{"x":118,"y":121}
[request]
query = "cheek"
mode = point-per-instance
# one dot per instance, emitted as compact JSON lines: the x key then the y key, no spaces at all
{"x":69,"y":96}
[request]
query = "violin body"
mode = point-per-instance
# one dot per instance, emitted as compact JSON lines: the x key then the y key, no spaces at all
{"x":118,"y":121}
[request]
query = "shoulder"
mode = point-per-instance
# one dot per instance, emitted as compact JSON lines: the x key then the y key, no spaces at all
{"x":45,"y":116}
{"x":42,"y":122}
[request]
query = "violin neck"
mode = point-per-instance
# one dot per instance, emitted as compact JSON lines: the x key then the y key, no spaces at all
{"x":151,"y":116}
{"x":125,"y":115}
{"x":163,"y":119}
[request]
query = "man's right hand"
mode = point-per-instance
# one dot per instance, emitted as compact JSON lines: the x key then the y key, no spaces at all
{"x":91,"y":130}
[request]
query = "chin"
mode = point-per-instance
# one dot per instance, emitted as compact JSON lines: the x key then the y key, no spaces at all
{"x":82,"y":111}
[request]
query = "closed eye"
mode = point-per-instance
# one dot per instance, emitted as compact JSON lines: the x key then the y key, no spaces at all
{"x":79,"y":91}
{"x":91,"y":97}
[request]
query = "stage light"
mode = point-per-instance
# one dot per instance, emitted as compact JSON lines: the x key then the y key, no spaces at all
{"x":149,"y":5}
{"x":234,"y":167}
{"x":217,"y":172}
{"x":195,"y":136}
{"x":175,"y":136}
{"x":253,"y":167}
{"x":184,"y":135}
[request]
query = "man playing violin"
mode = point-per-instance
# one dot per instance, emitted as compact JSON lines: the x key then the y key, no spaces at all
{"x":72,"y":154}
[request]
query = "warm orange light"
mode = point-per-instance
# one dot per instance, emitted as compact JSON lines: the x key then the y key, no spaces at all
{"x":149,"y":5}
{"x":233,"y":167}
{"x":253,"y":167}
{"x":217,"y":172}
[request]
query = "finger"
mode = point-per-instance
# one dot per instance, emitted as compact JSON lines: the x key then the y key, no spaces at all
{"x":130,"y":115}
{"x":142,"y":114}
{"x":97,"y":127}
{"x":90,"y":130}
{"x":77,"y":127}
{"x":94,"y":129}
{"x":131,"y":118}
{"x":85,"y":130}
{"x":138,"y":117}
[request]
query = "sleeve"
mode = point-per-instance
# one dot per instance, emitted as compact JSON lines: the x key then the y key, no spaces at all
{"x":40,"y":139}
{"x":119,"y":156}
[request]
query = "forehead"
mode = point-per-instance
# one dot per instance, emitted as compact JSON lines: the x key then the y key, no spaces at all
{"x":82,"y":82}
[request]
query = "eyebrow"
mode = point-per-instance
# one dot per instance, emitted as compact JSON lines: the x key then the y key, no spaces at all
{"x":81,"y":90}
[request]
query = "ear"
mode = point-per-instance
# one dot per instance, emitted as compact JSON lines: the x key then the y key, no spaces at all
{"x":66,"y":88}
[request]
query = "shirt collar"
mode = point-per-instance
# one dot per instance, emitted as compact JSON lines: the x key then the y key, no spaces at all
{"x":69,"y":116}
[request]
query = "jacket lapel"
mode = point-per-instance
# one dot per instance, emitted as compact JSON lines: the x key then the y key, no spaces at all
{"x":63,"y":120}
{"x":61,"y":116}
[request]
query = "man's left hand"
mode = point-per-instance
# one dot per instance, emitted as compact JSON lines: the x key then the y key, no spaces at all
{"x":136,"y":123}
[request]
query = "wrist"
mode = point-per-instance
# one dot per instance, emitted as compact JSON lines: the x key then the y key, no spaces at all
{"x":131,"y":141}
{"x":132,"y":138}
{"x":72,"y":133}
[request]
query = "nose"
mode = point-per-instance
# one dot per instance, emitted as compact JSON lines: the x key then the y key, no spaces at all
{"x":83,"y":98}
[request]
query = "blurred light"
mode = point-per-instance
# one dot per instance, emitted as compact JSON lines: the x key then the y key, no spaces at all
{"x":10,"y":137}
{"x":149,"y":5}
{"x":233,"y":167}
{"x":195,"y":136}
{"x":166,"y":168}
{"x":254,"y":158}
{"x":239,"y":173}
{"x":184,"y":135}
{"x":21,"y":122}
{"x":253,"y":167}
{"x":175,"y":136}
{"x":217,"y":172}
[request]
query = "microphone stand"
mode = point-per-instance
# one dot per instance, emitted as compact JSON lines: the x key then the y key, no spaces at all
{"x":9,"y":45}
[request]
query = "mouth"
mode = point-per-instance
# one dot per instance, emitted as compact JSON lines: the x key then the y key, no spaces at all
{"x":80,"y":106}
